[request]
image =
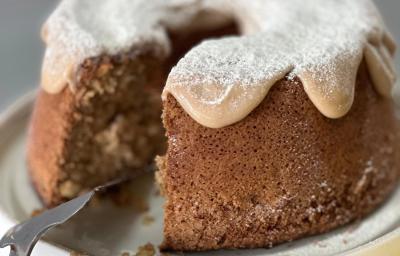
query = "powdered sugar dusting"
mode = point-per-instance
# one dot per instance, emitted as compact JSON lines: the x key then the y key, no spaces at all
{"x":220,"y":81}
{"x":304,"y":34}
{"x":321,"y":42}
{"x":78,"y":30}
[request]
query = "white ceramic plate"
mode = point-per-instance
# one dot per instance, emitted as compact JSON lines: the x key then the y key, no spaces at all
{"x":108,"y":230}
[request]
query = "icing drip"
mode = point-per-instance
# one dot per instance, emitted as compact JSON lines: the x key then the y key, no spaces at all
{"x":322,"y":43}
{"x":219,"y":82}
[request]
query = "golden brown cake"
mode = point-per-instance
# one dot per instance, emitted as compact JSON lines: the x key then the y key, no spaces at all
{"x":283,"y":172}
{"x":277,"y":114}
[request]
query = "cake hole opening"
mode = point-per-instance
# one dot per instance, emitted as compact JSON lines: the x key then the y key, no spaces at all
{"x":184,"y":40}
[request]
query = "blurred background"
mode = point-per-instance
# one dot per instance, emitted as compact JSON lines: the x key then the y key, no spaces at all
{"x":21,"y":49}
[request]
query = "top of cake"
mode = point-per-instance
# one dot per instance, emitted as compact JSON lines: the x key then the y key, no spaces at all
{"x":221,"y":81}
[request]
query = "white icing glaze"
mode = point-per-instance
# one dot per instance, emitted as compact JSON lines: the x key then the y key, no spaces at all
{"x":221,"y":81}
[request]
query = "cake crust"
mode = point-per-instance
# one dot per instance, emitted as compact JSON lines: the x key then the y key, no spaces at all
{"x":283,"y":172}
{"x":46,"y":142}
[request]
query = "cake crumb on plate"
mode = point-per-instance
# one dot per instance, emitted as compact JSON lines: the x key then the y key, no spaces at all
{"x":146,"y":250}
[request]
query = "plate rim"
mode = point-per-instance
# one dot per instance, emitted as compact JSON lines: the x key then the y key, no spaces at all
{"x":388,"y":244}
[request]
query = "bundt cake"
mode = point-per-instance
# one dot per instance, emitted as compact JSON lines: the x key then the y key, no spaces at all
{"x":277,"y":114}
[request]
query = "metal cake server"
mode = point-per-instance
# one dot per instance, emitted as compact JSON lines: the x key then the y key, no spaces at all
{"x":23,"y":237}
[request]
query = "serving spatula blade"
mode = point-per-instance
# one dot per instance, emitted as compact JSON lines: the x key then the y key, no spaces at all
{"x":23,"y":237}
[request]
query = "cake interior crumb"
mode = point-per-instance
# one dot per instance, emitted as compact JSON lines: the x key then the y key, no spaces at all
{"x":148,"y":219}
{"x":146,"y":250}
{"x":37,"y":212}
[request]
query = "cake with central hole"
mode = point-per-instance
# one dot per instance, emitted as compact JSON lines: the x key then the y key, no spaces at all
{"x":272,"y":119}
